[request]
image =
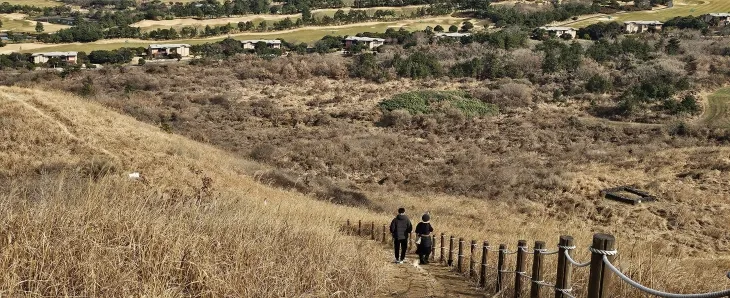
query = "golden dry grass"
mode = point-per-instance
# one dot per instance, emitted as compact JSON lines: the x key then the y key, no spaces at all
{"x":173,"y":237}
{"x":160,"y":239}
{"x":64,"y":233}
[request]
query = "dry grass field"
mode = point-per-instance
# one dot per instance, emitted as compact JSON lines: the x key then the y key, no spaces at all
{"x":73,"y":224}
{"x":39,"y":3}
{"x":182,"y":22}
{"x":305,"y":34}
{"x":525,"y":174}
{"x":681,"y":8}
{"x":252,"y":165}
{"x":17,"y":22}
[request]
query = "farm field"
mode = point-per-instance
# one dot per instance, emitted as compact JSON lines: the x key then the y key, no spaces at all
{"x":307,"y":34}
{"x":681,"y":8}
{"x":16,"y":22}
{"x":148,"y":25}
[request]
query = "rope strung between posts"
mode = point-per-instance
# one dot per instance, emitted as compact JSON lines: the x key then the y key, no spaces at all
{"x":576,"y":264}
{"x":546,"y":252}
{"x":525,"y":250}
{"x":512,"y":271}
{"x":566,"y":292}
{"x":543,"y":283}
{"x":507,"y":252}
{"x":660,"y":293}
{"x":603,"y":252}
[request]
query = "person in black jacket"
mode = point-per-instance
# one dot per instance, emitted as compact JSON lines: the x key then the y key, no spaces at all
{"x":400,"y":228}
{"x":423,"y":231}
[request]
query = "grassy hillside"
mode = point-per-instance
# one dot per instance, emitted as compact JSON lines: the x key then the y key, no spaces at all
{"x":73,"y":224}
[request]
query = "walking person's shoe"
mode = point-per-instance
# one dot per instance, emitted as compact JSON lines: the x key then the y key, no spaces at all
{"x":396,"y":261}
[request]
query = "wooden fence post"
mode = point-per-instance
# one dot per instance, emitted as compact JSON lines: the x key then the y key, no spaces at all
{"x":483,"y":272}
{"x":473,"y":248}
{"x":451,"y":251}
{"x":384,"y":234}
{"x":537,"y":261}
{"x":433,"y":248}
{"x":443,"y":244}
{"x":372,"y":230}
{"x":500,"y":267}
{"x":565,"y":270}
{"x":460,"y":256}
{"x":359,"y":227}
{"x":349,"y":229}
{"x":520,"y":268}
{"x":600,"y":278}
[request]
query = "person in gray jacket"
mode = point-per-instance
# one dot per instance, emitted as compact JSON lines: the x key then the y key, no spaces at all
{"x":400,"y":228}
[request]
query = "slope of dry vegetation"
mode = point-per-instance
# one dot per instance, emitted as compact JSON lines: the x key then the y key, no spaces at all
{"x":482,"y":177}
{"x":327,"y":136}
{"x":73,"y":224}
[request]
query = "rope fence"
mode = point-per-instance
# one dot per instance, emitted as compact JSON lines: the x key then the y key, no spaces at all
{"x":602,"y":270}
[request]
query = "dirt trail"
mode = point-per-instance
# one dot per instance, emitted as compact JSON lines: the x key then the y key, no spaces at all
{"x":717,"y":108}
{"x":432,"y":280}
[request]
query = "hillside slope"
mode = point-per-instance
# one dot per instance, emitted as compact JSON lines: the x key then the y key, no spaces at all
{"x":73,"y":224}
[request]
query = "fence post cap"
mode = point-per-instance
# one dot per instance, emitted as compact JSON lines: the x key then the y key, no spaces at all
{"x":601,"y":236}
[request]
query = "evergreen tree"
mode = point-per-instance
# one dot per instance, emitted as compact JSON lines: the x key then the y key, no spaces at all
{"x":38,"y":27}
{"x":550,"y":63}
{"x":467,"y":26}
{"x":453,"y":28}
{"x":438,"y":28}
{"x":673,"y":47}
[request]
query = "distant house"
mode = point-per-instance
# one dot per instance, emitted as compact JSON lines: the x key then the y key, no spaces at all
{"x":716,"y":19}
{"x":271,"y":44}
{"x":369,"y":42}
{"x":451,"y":35}
{"x":59,"y":20}
{"x":67,"y":57}
{"x":165,"y":50}
{"x":560,"y":31}
{"x":642,"y":26}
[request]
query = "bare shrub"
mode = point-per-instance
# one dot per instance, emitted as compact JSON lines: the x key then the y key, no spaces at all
{"x":221,"y":100}
{"x":527,"y":61}
{"x":397,"y":118}
{"x":513,"y":95}
{"x":264,"y":152}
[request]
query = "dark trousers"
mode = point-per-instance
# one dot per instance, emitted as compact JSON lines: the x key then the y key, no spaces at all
{"x":424,"y":254}
{"x":402,"y":245}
